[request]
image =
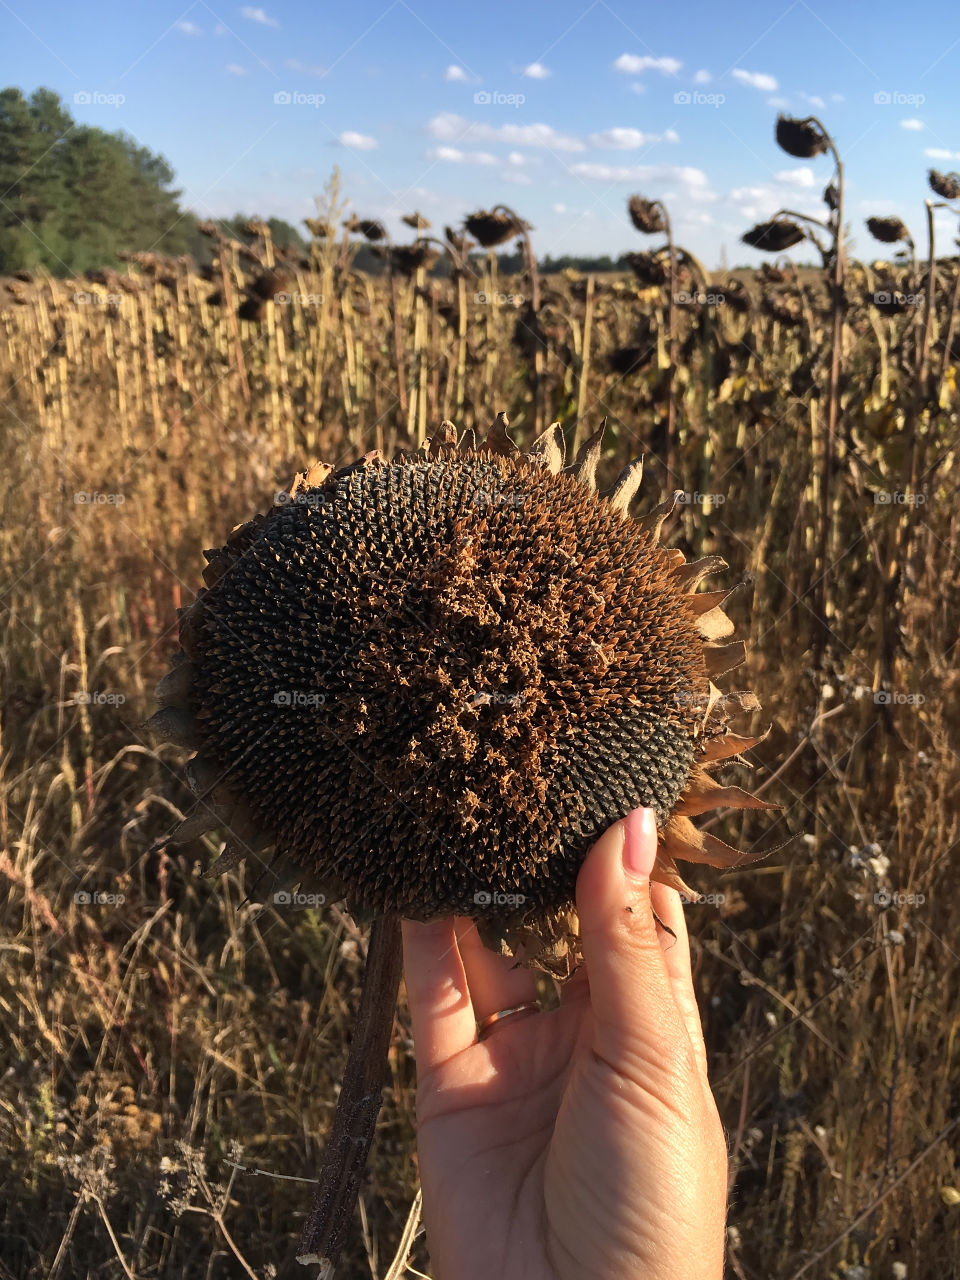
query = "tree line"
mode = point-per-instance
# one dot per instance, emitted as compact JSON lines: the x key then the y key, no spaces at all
{"x":73,"y":197}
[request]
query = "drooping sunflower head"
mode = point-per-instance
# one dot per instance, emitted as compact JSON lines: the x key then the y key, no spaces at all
{"x":432,"y":683}
{"x":801,"y":138}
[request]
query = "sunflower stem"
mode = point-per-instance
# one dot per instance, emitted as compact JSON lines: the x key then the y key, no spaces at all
{"x":672,"y":354}
{"x":355,"y":1120}
{"x":838,"y":307}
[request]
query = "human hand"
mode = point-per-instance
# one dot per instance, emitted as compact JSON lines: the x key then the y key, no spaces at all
{"x":580,"y":1142}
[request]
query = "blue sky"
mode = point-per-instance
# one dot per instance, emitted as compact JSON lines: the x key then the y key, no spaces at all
{"x":561,"y":110}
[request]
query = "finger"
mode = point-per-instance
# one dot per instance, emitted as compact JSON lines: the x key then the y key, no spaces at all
{"x":492,"y":980}
{"x":437,"y":993}
{"x":637,"y":1027}
{"x":676,"y":955}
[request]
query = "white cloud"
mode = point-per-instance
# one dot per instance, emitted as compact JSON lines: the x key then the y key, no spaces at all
{"x":633,"y":64}
{"x":518,"y":160}
{"x":623,"y":139}
{"x":637,"y":87}
{"x":537,"y":71}
{"x":516,"y":176}
{"x":294,"y":64}
{"x":702,"y":77}
{"x":456,"y":74}
{"x":619,"y":139}
{"x":358,"y":141}
{"x":739,"y":194}
{"x":756,"y":80}
{"x":778,"y":102}
{"x":559,"y":208}
{"x":939,"y":153}
{"x":188,"y":28}
{"x":813,"y":100}
{"x":687,"y":177}
{"x":453,"y":155}
{"x":802,"y":177}
{"x":449,"y":127}
{"x":915,"y":125}
{"x":790,"y":187}
{"x":258,"y":15}
{"x":235,"y":69}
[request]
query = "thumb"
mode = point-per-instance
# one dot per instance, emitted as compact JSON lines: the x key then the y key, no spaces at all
{"x":637,"y":1027}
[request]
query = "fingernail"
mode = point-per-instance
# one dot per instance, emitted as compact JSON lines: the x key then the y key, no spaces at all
{"x":640,"y":845}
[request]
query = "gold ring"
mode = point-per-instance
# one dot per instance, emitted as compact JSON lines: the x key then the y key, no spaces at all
{"x":528,"y":1006}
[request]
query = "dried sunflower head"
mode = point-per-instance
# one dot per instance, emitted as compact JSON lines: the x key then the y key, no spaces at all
{"x":649,"y":268}
{"x":945,"y":185}
{"x":490,"y":229}
{"x":646,"y":215}
{"x":369,"y":228}
{"x":774,"y":237}
{"x":887,"y":230}
{"x":433,"y":682}
{"x":417,"y":221}
{"x":801,"y":138}
{"x":407,"y":259}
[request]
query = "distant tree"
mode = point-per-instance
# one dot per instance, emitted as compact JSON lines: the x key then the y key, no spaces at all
{"x":31,"y":180}
{"x":72,"y":197}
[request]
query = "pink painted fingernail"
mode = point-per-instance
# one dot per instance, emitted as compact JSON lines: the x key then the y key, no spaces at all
{"x":640,"y":845}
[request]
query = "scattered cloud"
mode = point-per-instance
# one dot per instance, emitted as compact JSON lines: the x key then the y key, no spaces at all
{"x":537,"y":71}
{"x":517,"y":159}
{"x":789,"y":187}
{"x":638,"y":87}
{"x":622,"y":139}
{"x":253,"y":14}
{"x":915,"y":125}
{"x":235,"y":69}
{"x":756,"y":80}
{"x":685,"y":175}
{"x":813,"y":100}
{"x":188,"y":28}
{"x":618,"y":139}
{"x":778,"y":102}
{"x":449,"y":127}
{"x":633,"y":64}
{"x":456,"y":74}
{"x":802,"y":177}
{"x":558,"y":208}
{"x":294,"y":64}
{"x":940,"y":153}
{"x":453,"y":155}
{"x":358,"y":141}
{"x":702,"y":77}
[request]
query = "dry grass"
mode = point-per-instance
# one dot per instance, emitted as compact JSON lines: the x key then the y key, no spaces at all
{"x":172,"y":1059}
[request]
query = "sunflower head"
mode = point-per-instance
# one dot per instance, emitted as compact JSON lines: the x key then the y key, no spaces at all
{"x":774,"y":237}
{"x":431,"y":683}
{"x":803,"y":139}
{"x":887,"y":230}
{"x":492,"y":228}
{"x":945,"y":185}
{"x":646,"y":215}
